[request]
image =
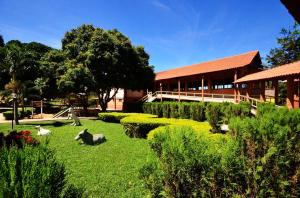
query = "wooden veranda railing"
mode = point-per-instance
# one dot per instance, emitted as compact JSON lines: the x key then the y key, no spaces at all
{"x":196,"y":96}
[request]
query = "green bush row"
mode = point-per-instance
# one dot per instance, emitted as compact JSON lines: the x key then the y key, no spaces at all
{"x":184,"y":110}
{"x":215,"y":113}
{"x":33,"y":172}
{"x":9,"y":115}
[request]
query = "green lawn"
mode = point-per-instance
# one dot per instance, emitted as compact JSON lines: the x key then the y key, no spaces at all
{"x":107,"y":170}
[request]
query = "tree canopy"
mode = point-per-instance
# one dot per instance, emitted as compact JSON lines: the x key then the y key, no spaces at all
{"x":107,"y":60}
{"x":20,"y":67}
{"x":91,"y":60}
{"x":1,"y":41}
{"x":289,"y":47}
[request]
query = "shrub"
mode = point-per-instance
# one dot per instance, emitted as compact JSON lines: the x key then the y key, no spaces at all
{"x":112,"y":117}
{"x":166,"y":110}
{"x":147,"y":107}
{"x":9,"y":115}
{"x":214,"y":116}
{"x":174,"y":110}
{"x":115,"y":117}
{"x":32,"y":172}
{"x":139,"y":126}
{"x":26,"y":113}
{"x":157,"y":109}
{"x":191,"y":165}
{"x":184,"y":110}
{"x":197,"y":111}
{"x":231,"y":110}
{"x":152,"y":177}
{"x":269,"y":149}
{"x":263,"y":108}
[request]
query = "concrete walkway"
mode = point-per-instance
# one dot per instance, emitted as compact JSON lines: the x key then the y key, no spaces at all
{"x":2,"y":120}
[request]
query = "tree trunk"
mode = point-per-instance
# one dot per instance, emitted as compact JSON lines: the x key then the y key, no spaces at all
{"x":102,"y":103}
{"x":15,"y":103}
{"x":104,"y":97}
{"x":103,"y":106}
{"x":85,"y":102}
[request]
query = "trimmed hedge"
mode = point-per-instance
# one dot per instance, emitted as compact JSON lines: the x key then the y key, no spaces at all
{"x":230,"y":110}
{"x":139,"y":125}
{"x":214,"y":116}
{"x":198,"y":110}
{"x":115,"y":117}
{"x":9,"y":115}
{"x":184,"y":110}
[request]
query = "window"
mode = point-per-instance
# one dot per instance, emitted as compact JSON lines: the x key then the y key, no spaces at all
{"x":228,"y":86}
{"x":244,"y":86}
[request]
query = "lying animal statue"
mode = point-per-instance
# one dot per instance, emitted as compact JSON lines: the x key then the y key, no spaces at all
{"x":90,"y":139}
{"x":42,"y":131}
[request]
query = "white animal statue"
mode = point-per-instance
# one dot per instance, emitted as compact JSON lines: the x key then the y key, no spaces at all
{"x":74,"y":117}
{"x":42,"y":131}
{"x":90,"y":139}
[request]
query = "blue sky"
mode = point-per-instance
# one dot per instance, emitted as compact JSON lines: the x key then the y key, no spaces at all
{"x":174,"y":32}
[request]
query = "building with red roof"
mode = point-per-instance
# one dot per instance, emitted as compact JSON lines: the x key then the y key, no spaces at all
{"x":215,"y":76}
{"x":255,"y":83}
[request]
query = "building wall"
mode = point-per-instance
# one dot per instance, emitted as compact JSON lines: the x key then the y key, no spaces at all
{"x":115,"y":104}
{"x":133,"y":96}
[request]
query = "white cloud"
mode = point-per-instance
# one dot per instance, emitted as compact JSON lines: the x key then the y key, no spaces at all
{"x":160,"y":5}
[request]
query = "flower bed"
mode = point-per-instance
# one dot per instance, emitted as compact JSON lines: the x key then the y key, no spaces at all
{"x":17,"y":138}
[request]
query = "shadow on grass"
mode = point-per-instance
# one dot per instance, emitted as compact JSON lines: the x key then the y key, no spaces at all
{"x":80,"y":143}
{"x":55,"y":124}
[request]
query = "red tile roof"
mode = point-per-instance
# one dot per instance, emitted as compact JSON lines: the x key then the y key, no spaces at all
{"x":226,"y":63}
{"x":277,"y":72}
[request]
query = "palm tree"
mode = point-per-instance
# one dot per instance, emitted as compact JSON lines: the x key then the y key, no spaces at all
{"x":16,"y":59}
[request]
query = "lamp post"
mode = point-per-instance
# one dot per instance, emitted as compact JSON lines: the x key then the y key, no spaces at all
{"x":15,"y":109}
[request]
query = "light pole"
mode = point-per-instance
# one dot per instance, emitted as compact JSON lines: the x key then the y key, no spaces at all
{"x":15,"y":109}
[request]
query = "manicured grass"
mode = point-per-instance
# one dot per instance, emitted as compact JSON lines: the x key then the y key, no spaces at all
{"x":107,"y":170}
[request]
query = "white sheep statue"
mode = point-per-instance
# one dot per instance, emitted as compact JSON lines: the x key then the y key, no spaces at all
{"x":42,"y":131}
{"x":90,"y":139}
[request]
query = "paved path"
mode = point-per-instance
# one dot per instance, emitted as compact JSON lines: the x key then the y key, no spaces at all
{"x":40,"y":120}
{"x":1,"y":117}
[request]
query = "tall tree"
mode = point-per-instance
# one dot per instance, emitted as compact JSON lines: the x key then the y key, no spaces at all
{"x":4,"y":78}
{"x":289,"y":47}
{"x":110,"y":61}
{"x":52,"y":66}
{"x":14,"y":60}
{"x":1,"y":41}
{"x":293,"y":7}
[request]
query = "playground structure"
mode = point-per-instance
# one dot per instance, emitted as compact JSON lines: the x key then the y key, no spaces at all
{"x":71,"y":115}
